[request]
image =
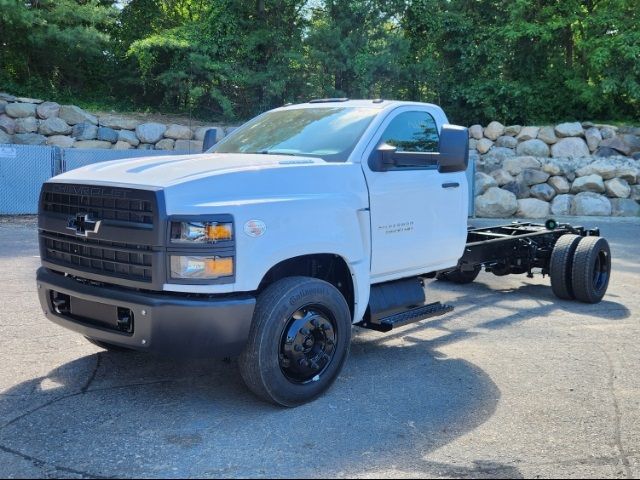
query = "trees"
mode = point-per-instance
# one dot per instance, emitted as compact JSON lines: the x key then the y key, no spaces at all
{"x":514,"y":60}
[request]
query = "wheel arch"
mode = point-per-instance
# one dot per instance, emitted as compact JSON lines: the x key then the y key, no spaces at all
{"x":330,"y":267}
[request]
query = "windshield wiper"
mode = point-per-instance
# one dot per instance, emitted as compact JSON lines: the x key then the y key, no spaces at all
{"x":275,"y":152}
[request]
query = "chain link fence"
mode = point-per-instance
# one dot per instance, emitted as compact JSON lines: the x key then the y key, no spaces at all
{"x":24,"y":168}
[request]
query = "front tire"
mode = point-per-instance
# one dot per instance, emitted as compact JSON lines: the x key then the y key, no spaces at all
{"x":299,"y":341}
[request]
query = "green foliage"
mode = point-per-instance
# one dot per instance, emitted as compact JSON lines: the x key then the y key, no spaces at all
{"x":514,"y":60}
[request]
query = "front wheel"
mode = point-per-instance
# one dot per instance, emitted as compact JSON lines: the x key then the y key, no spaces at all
{"x":299,"y":341}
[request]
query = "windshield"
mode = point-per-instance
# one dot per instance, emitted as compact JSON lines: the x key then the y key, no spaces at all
{"x":328,"y":133}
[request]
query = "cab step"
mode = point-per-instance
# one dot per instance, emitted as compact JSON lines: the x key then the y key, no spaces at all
{"x":401,"y":319}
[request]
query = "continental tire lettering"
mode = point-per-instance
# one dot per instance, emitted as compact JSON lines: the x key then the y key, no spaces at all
{"x":306,"y":293}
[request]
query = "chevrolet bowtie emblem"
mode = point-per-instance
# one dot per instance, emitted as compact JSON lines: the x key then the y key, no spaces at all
{"x":83,"y":224}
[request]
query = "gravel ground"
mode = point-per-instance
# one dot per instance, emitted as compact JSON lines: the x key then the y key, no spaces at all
{"x":513,"y":383}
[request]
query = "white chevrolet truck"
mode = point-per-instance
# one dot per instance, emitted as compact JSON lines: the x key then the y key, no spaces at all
{"x":272,"y":244}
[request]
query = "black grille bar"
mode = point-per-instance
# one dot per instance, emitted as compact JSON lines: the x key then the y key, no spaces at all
{"x":104,"y":258}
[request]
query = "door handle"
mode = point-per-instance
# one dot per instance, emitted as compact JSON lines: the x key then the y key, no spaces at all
{"x":450,"y":185}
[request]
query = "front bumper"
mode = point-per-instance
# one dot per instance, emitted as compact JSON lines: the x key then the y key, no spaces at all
{"x":161,"y":323}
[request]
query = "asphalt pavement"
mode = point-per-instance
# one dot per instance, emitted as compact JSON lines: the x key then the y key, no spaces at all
{"x":514,"y":383}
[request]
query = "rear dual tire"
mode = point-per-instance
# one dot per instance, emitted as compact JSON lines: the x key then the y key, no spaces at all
{"x":580,"y":268}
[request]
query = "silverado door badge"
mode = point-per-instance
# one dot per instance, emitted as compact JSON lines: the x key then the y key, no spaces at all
{"x":83,"y":224}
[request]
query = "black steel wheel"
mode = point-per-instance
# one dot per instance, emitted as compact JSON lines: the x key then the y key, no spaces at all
{"x":299,"y":341}
{"x":108,"y":346}
{"x":460,"y":276}
{"x":591,"y":269}
{"x":561,"y":266}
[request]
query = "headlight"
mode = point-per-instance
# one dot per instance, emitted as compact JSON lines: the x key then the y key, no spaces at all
{"x":201,"y":268}
{"x":200,"y":232}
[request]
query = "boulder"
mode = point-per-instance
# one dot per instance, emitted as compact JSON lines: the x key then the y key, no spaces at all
{"x":84,"y":131}
{"x":589,"y":203}
{"x":528,"y":133}
{"x":28,"y":100}
{"x":3,"y":105}
{"x":167,"y":144}
{"x":74,"y":115}
{"x":569,"y":129}
{"x":27,"y":125}
{"x":54,"y":126}
{"x":506,"y":142}
{"x":559,"y":184}
{"x":482,"y":182}
{"x":593,"y":137}
{"x":118,"y":122}
{"x":92,"y":144}
{"x":534,"y":147}
{"x":178,"y":132}
{"x":484,"y":145}
{"x":29,"y":139}
{"x":572,"y":147}
{"x":47,"y":110}
{"x":624,"y":207}
{"x":20,"y":110}
{"x":62,"y":141}
{"x":607,"y":132}
{"x":589,"y":183}
{"x":494,"y":130}
{"x":632,"y":142}
{"x":473,"y":144}
{"x":543,"y":191}
{"x":145,"y":146}
{"x":532,"y":208}
{"x":129,"y":137}
{"x":7,"y":124}
{"x":502,"y":177}
{"x":605,"y":168}
{"x":500,"y":153}
{"x":635,"y":193}
{"x":553,"y":167}
{"x":7,"y":97}
{"x":628,"y":172}
{"x":191,"y":146}
{"x":547,"y":135}
{"x":107,"y":134}
{"x":532,"y":176}
{"x":617,"y":143}
{"x":122,"y":145}
{"x":150,"y":132}
{"x":518,"y":188}
{"x":606,"y":152}
{"x":617,"y":187}
{"x":563,"y":205}
{"x":5,"y":138}
{"x":512,"y":130}
{"x":496,"y":203}
{"x":475,"y":131}
{"x":516,"y":165}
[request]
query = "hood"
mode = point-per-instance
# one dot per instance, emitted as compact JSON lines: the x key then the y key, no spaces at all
{"x":172,"y":170}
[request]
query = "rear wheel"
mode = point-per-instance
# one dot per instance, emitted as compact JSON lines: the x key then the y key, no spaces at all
{"x":460,"y":276}
{"x":561,"y":264}
{"x":107,"y":346}
{"x":591,"y":269}
{"x":299,"y":341}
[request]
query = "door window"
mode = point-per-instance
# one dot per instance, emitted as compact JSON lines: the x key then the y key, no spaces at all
{"x":412,"y":132}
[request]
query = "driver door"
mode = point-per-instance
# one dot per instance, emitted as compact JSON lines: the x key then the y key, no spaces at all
{"x":418,"y":215}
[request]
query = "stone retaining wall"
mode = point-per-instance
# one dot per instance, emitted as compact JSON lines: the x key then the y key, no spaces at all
{"x":30,"y":121}
{"x":567,"y":169}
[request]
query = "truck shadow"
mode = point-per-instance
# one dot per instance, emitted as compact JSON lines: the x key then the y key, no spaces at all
{"x":129,"y":414}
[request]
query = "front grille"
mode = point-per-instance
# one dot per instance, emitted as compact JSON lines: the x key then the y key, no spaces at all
{"x":102,"y":203}
{"x":124,"y":260}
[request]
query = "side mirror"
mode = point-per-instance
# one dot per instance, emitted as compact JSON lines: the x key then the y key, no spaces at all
{"x":210,"y":139}
{"x":383,"y":158}
{"x":453,"y":155}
